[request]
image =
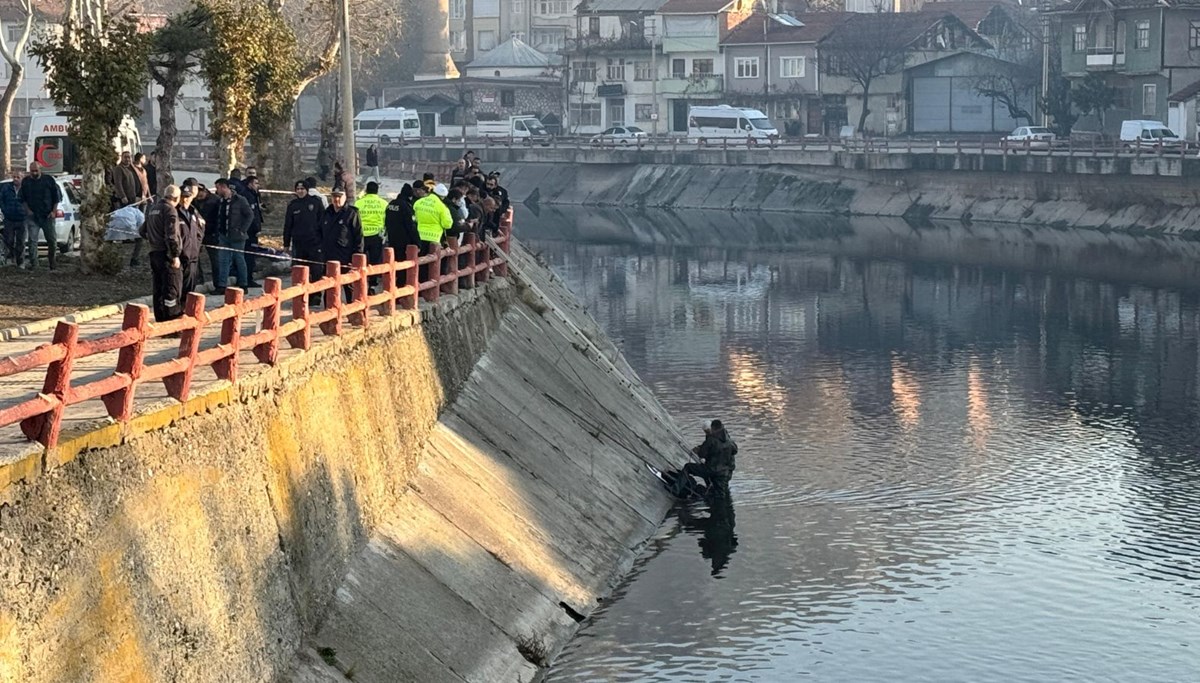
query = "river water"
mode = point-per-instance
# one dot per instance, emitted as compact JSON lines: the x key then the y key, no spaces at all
{"x":966,"y":453}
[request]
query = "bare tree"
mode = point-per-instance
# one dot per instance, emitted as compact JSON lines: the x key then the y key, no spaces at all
{"x":13,"y":53}
{"x":1012,"y":84}
{"x":864,"y":48}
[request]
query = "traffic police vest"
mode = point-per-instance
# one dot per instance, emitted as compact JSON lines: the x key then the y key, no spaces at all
{"x":371,"y":211}
{"x":433,"y":218}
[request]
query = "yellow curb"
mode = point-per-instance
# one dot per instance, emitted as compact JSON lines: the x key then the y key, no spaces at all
{"x":26,"y":469}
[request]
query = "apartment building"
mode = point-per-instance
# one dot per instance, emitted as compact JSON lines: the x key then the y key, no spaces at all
{"x":478,"y":26}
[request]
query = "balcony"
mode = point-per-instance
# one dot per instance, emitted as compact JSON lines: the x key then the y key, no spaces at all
{"x":1101,"y":58}
{"x":629,"y":42}
{"x":696,"y":84}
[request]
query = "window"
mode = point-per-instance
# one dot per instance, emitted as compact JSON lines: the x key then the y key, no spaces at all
{"x":616,"y":112}
{"x":642,"y":71}
{"x":14,"y":32}
{"x":458,"y":41}
{"x":1194,"y":35}
{"x":832,"y":65}
{"x":1080,"y":44}
{"x":585,"y":113}
{"x":518,"y":35}
{"x":458,"y":9}
{"x":643,"y":112}
{"x":745,"y":67}
{"x":584,"y":72}
{"x":1141,"y":35}
{"x":791,"y":67}
{"x":1149,"y":99}
{"x":485,"y":40}
{"x":508,"y":98}
{"x":1121,"y":98}
{"x":518,"y":6}
{"x":702,"y":67}
{"x":550,"y":8}
{"x":594,"y":27}
{"x":678,"y":68}
{"x":616,"y":70}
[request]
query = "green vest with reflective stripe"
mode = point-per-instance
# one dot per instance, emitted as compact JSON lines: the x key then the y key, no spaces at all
{"x":433,"y":218}
{"x":371,"y":211}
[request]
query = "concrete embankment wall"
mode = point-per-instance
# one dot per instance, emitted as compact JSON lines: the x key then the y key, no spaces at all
{"x":1118,"y":202}
{"x":436,"y":499}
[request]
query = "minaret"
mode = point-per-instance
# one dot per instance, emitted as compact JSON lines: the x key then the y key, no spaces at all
{"x":436,"y":63}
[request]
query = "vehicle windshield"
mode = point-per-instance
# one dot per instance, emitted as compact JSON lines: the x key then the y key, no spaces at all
{"x":635,"y":129}
{"x":535,"y":126}
{"x":1039,"y":131}
{"x":56,"y":154}
{"x":762,"y":124}
{"x":1161,"y":133}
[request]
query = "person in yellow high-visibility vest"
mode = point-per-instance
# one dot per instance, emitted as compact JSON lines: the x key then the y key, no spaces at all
{"x":433,"y":220}
{"x":372,"y":211}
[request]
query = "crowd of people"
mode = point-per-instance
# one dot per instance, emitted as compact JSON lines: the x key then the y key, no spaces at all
{"x":226,"y":222}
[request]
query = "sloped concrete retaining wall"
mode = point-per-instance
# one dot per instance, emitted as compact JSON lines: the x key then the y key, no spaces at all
{"x":436,"y":500}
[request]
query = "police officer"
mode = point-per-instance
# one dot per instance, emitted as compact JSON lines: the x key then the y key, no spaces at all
{"x":191,"y":225}
{"x":341,"y":232}
{"x":433,"y":220}
{"x":372,"y":211}
{"x":162,"y":235}
{"x":302,"y":230}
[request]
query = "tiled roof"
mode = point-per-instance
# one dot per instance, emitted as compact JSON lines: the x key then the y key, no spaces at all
{"x":761,"y":29}
{"x":511,"y":53}
{"x":694,"y":6}
{"x":906,"y":26}
{"x":1185,"y":93}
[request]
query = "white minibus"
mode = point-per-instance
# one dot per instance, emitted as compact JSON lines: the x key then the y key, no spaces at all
{"x":724,"y":121}
{"x":387,"y":125}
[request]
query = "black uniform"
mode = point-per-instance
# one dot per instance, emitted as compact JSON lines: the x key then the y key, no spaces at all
{"x":208,"y":211}
{"x":400,"y":224}
{"x":191,"y":227}
{"x":162,"y":233}
{"x":302,"y":233}
{"x":341,"y":237}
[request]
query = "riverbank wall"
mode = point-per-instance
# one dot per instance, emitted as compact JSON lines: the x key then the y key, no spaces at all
{"x":440,"y":497}
{"x":1136,"y":194}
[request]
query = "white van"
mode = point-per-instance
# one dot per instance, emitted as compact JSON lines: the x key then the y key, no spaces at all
{"x":384,"y":126}
{"x":514,"y":128}
{"x":50,"y":144}
{"x":724,"y":121}
{"x":1148,"y":134}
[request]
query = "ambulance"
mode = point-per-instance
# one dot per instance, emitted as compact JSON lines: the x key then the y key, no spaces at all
{"x":51,"y":147}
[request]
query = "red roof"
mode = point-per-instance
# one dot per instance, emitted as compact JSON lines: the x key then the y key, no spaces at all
{"x":760,"y":29}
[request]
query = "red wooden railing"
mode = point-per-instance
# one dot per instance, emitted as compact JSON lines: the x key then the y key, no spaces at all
{"x":41,"y":417}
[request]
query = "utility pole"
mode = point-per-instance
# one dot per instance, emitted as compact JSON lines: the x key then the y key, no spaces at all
{"x":349,"y":146}
{"x":654,"y":115}
{"x":1045,"y":7}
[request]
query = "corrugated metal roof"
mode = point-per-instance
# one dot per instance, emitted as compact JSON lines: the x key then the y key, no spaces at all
{"x":511,"y":53}
{"x":601,"y":6}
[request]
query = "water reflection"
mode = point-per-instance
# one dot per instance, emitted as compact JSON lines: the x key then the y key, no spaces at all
{"x":717,"y":539}
{"x":955,"y":466}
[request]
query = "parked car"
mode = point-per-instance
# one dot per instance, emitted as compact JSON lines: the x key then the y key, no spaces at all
{"x":1138,"y":133}
{"x":66,"y":219}
{"x":1030,"y":136}
{"x":622,"y":135}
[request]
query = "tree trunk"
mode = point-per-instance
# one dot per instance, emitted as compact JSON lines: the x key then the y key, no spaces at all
{"x":227,"y":155}
{"x":172,"y":84}
{"x":6,"y":102}
{"x":866,"y":110}
{"x":258,"y":149}
{"x":96,"y":254}
{"x":285,"y":162}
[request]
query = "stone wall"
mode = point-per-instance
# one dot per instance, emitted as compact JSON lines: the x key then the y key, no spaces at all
{"x":271,"y":534}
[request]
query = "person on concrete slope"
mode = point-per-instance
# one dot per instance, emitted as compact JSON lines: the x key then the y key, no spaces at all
{"x":302,"y":232}
{"x":40,"y":196}
{"x":234,"y":217}
{"x":165,"y":243}
{"x":400,"y":224}
{"x":341,"y":233}
{"x":251,"y":193}
{"x":433,"y":220}
{"x":372,"y":210}
{"x":191,"y":239}
{"x":717,"y":458}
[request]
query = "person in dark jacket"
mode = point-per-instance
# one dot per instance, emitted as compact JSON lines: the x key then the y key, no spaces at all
{"x":14,"y":218}
{"x":191,"y":226}
{"x":234,"y":218}
{"x":40,"y":196}
{"x":341,"y":232}
{"x":492,"y":188}
{"x":165,"y":244}
{"x":206,"y":204}
{"x":152,"y":173}
{"x":302,"y":230}
{"x":400,"y":223}
{"x":250,"y":192}
{"x":372,"y":170}
{"x":342,"y":180}
{"x":717,"y":458}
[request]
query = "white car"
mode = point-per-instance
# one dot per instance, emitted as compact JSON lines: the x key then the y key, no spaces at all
{"x":1030,"y":136}
{"x":622,"y":135}
{"x":66,"y":219}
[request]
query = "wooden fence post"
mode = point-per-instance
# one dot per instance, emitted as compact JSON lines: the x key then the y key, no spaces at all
{"x":268,"y":352}
{"x":130,"y":362}
{"x":231,"y":335}
{"x":179,"y":387}
{"x":506,"y":230}
{"x":435,"y":275}
{"x":412,"y":276}
{"x":473,"y":249}
{"x":45,"y":428}
{"x":359,"y":264}
{"x":301,"y":339}
{"x":452,"y":285}
{"x":389,"y":281}
{"x":333,"y":299}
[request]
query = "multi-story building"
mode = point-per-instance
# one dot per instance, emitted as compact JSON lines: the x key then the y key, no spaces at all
{"x":615,"y":66}
{"x":477,"y":26}
{"x":1146,"y":50}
